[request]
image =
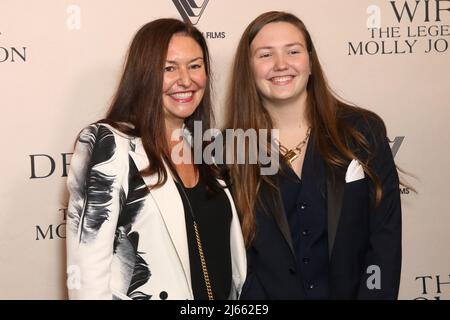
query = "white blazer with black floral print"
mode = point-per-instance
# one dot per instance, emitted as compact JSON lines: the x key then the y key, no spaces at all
{"x":124,"y":240}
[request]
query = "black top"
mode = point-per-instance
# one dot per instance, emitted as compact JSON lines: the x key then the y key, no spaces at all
{"x":213,"y":215}
{"x":305,"y":205}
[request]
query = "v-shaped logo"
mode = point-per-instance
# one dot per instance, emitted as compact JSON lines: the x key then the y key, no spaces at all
{"x":190,"y":10}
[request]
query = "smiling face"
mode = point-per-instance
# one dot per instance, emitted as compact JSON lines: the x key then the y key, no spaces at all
{"x":184,"y":79}
{"x":280,"y":63}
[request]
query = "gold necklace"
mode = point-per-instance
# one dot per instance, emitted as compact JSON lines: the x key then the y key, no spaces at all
{"x":292,"y":154}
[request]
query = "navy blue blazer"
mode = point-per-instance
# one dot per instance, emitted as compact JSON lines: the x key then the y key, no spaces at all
{"x":360,"y":235}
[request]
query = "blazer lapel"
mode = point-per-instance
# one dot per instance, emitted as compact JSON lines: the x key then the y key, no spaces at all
{"x":335,"y":194}
{"x":237,"y":248}
{"x":278,"y":214}
{"x":170,"y":206}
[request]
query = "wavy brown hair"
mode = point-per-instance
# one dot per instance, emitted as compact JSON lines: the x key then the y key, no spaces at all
{"x":334,"y":139}
{"x":138,"y":100}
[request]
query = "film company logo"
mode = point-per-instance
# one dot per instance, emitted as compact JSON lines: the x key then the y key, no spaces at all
{"x":396,"y":144}
{"x":214,"y":35}
{"x":54,"y":230}
{"x":12,"y":54}
{"x":395,"y":147}
{"x":191,"y":10}
{"x":434,"y":287}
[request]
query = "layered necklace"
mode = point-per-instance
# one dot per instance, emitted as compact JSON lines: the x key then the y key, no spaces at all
{"x":292,"y":154}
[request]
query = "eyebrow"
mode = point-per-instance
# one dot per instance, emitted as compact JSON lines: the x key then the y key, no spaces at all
{"x":287,"y":45}
{"x":174,"y":62}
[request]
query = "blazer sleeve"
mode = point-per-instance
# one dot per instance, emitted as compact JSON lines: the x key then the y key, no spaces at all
{"x":95,"y":191}
{"x":381,"y":278}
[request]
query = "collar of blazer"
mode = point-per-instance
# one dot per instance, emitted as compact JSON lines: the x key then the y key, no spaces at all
{"x":335,"y":197}
{"x":170,"y":207}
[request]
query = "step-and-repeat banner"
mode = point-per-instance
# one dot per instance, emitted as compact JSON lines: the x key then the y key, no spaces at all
{"x":59,"y":65}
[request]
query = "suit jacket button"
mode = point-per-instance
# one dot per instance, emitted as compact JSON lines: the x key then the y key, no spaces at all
{"x":302,"y":206}
{"x":163,"y":295}
{"x":292,"y":271}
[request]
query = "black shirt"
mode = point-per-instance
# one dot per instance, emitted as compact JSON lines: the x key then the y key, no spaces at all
{"x":305,"y":205}
{"x":213,"y":215}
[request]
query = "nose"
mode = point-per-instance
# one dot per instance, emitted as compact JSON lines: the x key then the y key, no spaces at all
{"x":184,"y":78}
{"x":280,"y":62}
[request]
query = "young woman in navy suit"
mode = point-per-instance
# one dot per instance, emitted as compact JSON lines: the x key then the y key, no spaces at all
{"x":328,"y":224}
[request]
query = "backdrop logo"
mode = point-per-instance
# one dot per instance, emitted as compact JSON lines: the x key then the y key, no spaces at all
{"x":54,"y":230}
{"x":190,"y":10}
{"x":405,"y":27}
{"x":433,"y":287}
{"x":12,"y":53}
{"x":395,"y":144}
{"x":43,"y":165}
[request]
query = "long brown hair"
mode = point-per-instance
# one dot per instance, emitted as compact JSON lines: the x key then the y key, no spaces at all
{"x":334,"y":137}
{"x":138,"y":99}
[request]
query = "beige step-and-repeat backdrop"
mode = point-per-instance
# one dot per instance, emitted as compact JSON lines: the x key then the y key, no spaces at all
{"x":59,"y":65}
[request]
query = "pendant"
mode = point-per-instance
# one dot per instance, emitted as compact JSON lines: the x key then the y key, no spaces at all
{"x":291,"y":155}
